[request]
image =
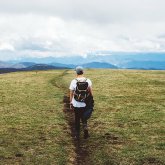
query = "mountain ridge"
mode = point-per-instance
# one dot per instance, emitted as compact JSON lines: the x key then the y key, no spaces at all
{"x":16,"y":67}
{"x":121,"y":60}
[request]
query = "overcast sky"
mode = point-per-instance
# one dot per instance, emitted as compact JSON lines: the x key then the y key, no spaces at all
{"x":70,"y":27}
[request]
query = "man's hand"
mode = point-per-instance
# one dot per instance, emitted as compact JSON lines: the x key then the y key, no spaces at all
{"x":71,"y":106}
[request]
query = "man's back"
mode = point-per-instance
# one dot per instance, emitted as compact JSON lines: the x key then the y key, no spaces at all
{"x":73,"y":86}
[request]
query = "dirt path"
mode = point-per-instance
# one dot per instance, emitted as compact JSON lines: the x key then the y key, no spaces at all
{"x":81,"y":150}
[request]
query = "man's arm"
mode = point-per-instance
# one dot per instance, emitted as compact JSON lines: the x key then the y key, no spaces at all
{"x":71,"y":96}
{"x":90,"y":87}
{"x":90,"y":90}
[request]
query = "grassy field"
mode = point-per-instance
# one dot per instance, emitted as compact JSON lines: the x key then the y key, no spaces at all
{"x":33,"y":129}
{"x":127,"y":126}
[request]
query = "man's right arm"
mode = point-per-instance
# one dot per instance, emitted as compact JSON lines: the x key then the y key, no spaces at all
{"x":71,"y":94}
{"x":71,"y":97}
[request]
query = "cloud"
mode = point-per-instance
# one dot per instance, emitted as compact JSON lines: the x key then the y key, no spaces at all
{"x":6,"y":46}
{"x":71,"y":27}
{"x":94,"y":10}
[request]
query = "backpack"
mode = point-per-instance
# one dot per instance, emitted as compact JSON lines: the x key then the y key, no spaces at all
{"x":81,"y":92}
{"x":89,"y":107}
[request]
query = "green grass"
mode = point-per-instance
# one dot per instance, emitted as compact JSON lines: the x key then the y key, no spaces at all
{"x":129,"y":119}
{"x":32,"y":121}
{"x":127,"y":126}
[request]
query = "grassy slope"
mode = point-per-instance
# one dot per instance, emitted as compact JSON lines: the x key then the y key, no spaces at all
{"x":128,"y":124}
{"x":32,"y":122}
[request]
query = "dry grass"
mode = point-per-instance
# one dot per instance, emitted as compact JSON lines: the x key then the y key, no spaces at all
{"x":127,"y":126}
{"x":32,"y":121}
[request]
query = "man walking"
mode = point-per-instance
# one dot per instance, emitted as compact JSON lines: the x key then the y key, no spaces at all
{"x":80,"y":89}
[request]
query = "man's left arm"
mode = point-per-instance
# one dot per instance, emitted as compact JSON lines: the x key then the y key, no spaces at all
{"x":90,"y":87}
{"x":90,"y":91}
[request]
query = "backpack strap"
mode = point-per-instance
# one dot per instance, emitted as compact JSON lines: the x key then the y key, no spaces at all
{"x":76,"y":80}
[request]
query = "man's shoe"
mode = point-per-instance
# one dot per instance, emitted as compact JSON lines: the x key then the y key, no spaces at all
{"x":86,"y":134}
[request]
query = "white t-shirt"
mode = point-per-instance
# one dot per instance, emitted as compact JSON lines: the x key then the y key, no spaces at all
{"x":73,"y":88}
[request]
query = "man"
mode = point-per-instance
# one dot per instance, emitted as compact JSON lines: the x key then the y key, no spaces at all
{"x":79,"y":105}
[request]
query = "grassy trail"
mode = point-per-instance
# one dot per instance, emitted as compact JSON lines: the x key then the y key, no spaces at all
{"x":81,"y":150}
{"x":127,"y":126}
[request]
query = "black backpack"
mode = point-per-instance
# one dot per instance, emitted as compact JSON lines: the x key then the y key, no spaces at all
{"x":82,"y":92}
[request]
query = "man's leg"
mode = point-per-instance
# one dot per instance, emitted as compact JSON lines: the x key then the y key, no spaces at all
{"x":85,"y":126}
{"x":77,"y":121}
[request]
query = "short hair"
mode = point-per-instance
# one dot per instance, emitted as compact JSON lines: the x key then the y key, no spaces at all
{"x":79,"y":70}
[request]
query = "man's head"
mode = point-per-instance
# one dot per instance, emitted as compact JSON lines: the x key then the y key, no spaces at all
{"x":79,"y":70}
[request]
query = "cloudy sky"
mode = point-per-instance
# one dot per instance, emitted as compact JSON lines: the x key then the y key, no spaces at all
{"x":70,"y":27}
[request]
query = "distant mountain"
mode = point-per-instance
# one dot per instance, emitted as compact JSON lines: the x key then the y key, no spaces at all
{"x":63,"y":65}
{"x":99,"y":59}
{"x":4,"y":64}
{"x":22,"y":65}
{"x":74,"y":60}
{"x":16,"y":65}
{"x":115,"y":58}
{"x":86,"y":65}
{"x":30,"y":68}
{"x":144,"y":65}
{"x":43,"y":67}
{"x":27,"y":64}
{"x":99,"y":65}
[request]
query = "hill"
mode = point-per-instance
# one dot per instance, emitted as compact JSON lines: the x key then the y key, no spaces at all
{"x":44,"y":67}
{"x":16,"y":65}
{"x":127,"y":125}
{"x":137,"y":60}
{"x":99,"y":65}
{"x":115,"y":58}
{"x":8,"y":70}
{"x":62,"y":65}
{"x":29,"y":67}
{"x":160,"y":65}
{"x":27,"y":64}
{"x":32,"y":120}
{"x":4,"y":64}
